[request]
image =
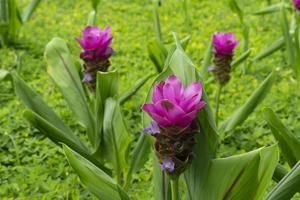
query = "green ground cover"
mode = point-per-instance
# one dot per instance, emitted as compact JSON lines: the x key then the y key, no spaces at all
{"x":32,"y":167}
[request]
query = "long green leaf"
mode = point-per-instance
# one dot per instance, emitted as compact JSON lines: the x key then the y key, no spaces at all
{"x":139,"y":157}
{"x":63,"y":71}
{"x":125,"y":97}
{"x":116,"y":136}
{"x":238,"y":117}
{"x":156,"y":23}
{"x":157,"y":53}
{"x":60,"y":137}
{"x":241,"y":59}
{"x":3,"y":74}
{"x":107,"y":86}
{"x":275,"y":46}
{"x":287,"y":37}
{"x":239,"y":177}
{"x":270,"y":9}
{"x":96,"y":180}
{"x":30,"y":9}
{"x":288,"y":143}
{"x":47,"y":122}
{"x":92,"y":18}
{"x":34,"y":102}
{"x":206,"y":61}
{"x":288,"y":186}
{"x":95,"y":4}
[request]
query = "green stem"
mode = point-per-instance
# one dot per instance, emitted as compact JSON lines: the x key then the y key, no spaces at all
{"x":218,"y":94}
{"x":174,"y":186}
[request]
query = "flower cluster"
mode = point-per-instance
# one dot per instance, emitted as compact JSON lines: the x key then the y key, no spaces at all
{"x":96,"y":52}
{"x":174,"y":109}
{"x":224,"y":45}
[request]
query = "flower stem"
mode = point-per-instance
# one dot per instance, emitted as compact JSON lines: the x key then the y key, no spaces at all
{"x":174,"y":186}
{"x":218,"y":94}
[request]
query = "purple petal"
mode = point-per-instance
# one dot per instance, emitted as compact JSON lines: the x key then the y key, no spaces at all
{"x":158,"y":92}
{"x":152,"y":129}
{"x":192,"y":90}
{"x":87,"y":78}
{"x":167,"y":165}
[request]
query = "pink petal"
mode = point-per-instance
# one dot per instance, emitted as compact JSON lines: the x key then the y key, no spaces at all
{"x":192,"y":90}
{"x":157,"y":92}
{"x":173,"y":112}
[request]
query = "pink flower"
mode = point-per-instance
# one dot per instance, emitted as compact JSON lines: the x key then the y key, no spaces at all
{"x":173,"y":105}
{"x":95,"y":43}
{"x":297,"y":4}
{"x":224,"y":43}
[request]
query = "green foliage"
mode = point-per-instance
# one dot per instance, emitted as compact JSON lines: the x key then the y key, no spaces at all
{"x":43,"y":171}
{"x":98,"y":182}
{"x":288,"y":186}
{"x":288,"y":142}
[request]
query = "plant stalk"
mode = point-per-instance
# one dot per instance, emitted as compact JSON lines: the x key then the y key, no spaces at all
{"x":218,"y":94}
{"x":174,"y":187}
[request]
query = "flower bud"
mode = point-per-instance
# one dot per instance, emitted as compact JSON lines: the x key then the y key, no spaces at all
{"x":174,"y":109}
{"x":224,"y":45}
{"x":96,"y":52}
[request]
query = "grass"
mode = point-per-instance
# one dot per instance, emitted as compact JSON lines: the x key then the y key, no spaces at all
{"x":32,"y":167}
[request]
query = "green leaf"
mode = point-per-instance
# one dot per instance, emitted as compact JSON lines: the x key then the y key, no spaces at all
{"x":63,"y":71}
{"x":92,"y":18}
{"x":206,"y":61}
{"x":236,"y":9}
{"x":157,"y":53}
{"x":161,"y":181}
{"x":47,"y":122}
{"x":3,"y":74}
{"x":34,"y":102}
{"x":241,"y":59}
{"x":95,"y":4}
{"x":287,"y":37}
{"x":140,"y":156}
{"x":125,"y":97}
{"x":279,"y":173}
{"x":288,"y":142}
{"x":275,"y":46}
{"x":107,"y":86}
{"x":288,"y":186}
{"x":116,"y":137}
{"x":97,"y":181}
{"x":244,"y":176}
{"x":238,"y":117}
{"x":156,"y":24}
{"x":270,"y":9}
{"x":30,"y":9}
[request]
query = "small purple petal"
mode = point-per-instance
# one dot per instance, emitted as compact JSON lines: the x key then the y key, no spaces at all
{"x":167,"y":165}
{"x":87,"y":78}
{"x":152,"y":129}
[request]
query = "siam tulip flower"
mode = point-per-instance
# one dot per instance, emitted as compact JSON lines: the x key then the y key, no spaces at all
{"x":173,"y":110}
{"x":297,"y":4}
{"x":224,"y":45}
{"x":96,"y":52}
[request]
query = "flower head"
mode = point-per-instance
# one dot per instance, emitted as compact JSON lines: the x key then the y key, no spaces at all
{"x":297,"y":4}
{"x":224,"y":43}
{"x":95,"y":43}
{"x":173,"y":105}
